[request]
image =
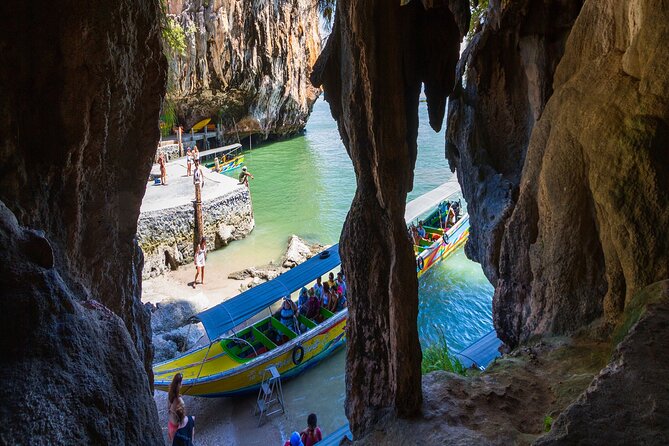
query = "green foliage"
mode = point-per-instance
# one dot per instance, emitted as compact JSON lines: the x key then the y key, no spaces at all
{"x":548,"y":423}
{"x":168,"y":118}
{"x":174,"y":36}
{"x":438,"y":357}
{"x":479,"y":9}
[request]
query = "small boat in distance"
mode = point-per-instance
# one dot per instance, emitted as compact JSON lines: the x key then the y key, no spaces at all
{"x":234,"y":361}
{"x":445,"y":231}
{"x":229,"y":158}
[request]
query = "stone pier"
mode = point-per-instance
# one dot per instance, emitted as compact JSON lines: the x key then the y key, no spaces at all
{"x":166,"y":221}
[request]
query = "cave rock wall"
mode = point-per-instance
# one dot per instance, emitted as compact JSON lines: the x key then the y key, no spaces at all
{"x":81,"y":84}
{"x":246,"y":63}
{"x":372,"y":70}
{"x":567,"y":188}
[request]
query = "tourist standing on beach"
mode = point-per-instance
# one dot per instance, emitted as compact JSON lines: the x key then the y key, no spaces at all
{"x":244,"y":176}
{"x":312,"y":434}
{"x":186,"y":433}
{"x":189,"y":162}
{"x":174,"y":401}
{"x":163,"y":169}
{"x":196,"y":154}
{"x":200,"y":258}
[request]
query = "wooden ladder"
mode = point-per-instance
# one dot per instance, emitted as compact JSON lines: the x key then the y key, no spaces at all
{"x":270,"y":395}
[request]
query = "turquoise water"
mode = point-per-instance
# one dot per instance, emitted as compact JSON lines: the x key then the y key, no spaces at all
{"x":305,"y":185}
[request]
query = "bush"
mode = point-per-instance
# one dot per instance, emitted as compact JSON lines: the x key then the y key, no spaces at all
{"x":438,"y":357}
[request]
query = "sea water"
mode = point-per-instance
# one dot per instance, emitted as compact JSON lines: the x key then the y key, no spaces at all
{"x":305,"y":186}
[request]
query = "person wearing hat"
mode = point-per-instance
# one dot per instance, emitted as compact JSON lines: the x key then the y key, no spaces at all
{"x":294,"y":440}
{"x":244,"y":176}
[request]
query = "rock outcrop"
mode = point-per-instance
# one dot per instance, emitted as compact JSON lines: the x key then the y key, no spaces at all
{"x":246,"y":64}
{"x":372,"y":69}
{"x":80,"y":100}
{"x":166,"y":235}
{"x":567,"y":186}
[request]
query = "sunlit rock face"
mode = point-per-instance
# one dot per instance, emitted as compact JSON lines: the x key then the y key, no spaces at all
{"x":80,"y":100}
{"x":567,"y":198}
{"x":372,"y":69}
{"x":246,"y":63}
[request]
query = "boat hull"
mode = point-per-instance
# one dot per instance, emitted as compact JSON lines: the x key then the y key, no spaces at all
{"x":440,"y":249}
{"x":221,"y":376}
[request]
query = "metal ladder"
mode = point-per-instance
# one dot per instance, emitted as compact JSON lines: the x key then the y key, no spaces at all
{"x":269,"y":395}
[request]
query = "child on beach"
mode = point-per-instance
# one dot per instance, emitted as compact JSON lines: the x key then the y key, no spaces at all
{"x":312,"y":434}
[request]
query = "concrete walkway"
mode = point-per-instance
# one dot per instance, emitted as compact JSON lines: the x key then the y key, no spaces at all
{"x":180,"y":189}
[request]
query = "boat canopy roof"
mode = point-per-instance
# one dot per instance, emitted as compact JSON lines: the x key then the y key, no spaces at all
{"x":221,"y":318}
{"x":224,"y":149}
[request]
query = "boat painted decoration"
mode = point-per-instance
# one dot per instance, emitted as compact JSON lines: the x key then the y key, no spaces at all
{"x":234,"y":362}
{"x":439,"y":244}
{"x":223,"y":159}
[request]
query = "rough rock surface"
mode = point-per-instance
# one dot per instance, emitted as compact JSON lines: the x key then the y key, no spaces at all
{"x":372,"y":69}
{"x":628,"y":402}
{"x":166,"y":235}
{"x":172,"y":329}
{"x":297,"y":251}
{"x":247,"y":62}
{"x":566,"y":224}
{"x":76,"y":338}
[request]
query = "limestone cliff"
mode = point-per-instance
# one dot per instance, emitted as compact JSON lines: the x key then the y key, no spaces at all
{"x":559,"y":137}
{"x":246,"y":63}
{"x":78,"y":129}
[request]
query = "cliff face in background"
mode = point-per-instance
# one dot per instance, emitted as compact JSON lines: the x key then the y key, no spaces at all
{"x":246,"y":60}
{"x":76,"y":340}
{"x":559,"y":139}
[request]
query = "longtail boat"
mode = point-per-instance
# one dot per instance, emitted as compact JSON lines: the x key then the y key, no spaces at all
{"x":234,"y":361}
{"x":442,"y":237}
{"x":229,"y":158}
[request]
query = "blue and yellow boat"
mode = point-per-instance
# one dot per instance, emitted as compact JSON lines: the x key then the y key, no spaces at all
{"x":441,"y":237}
{"x":242,"y":346}
{"x":223,"y":159}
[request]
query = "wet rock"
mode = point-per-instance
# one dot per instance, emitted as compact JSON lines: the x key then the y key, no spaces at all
{"x":299,"y":251}
{"x":171,"y":314}
{"x":247,"y":63}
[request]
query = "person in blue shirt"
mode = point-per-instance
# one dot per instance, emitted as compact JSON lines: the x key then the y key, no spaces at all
{"x":304,"y":297}
{"x":421,"y":229}
{"x":318,"y":288}
{"x":341,"y":283}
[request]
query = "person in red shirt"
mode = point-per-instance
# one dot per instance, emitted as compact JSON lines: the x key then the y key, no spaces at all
{"x":312,"y":434}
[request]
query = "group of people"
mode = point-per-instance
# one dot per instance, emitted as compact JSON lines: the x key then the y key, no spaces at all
{"x":180,"y":426}
{"x":192,"y":156}
{"x":331,"y":295}
{"x":449,"y":213}
{"x":309,"y":436}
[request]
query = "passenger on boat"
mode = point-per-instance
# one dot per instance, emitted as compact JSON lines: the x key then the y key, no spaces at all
{"x":331,"y":279}
{"x":217,"y":165}
{"x":421,"y":230}
{"x":313,"y":306}
{"x":288,"y":313}
{"x":325,"y":297}
{"x":174,"y":401}
{"x":312,"y":434}
{"x":304,"y":297}
{"x":341,"y":303}
{"x":318,"y":288}
{"x":341,"y":283}
{"x":443,"y":213}
{"x":334,"y":300}
{"x":452,"y":215}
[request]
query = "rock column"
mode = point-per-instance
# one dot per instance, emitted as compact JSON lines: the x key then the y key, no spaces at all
{"x":372,"y":70}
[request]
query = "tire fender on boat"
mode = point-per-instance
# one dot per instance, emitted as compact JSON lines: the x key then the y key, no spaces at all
{"x":298,"y":354}
{"x":420,"y":262}
{"x":445,"y":237}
